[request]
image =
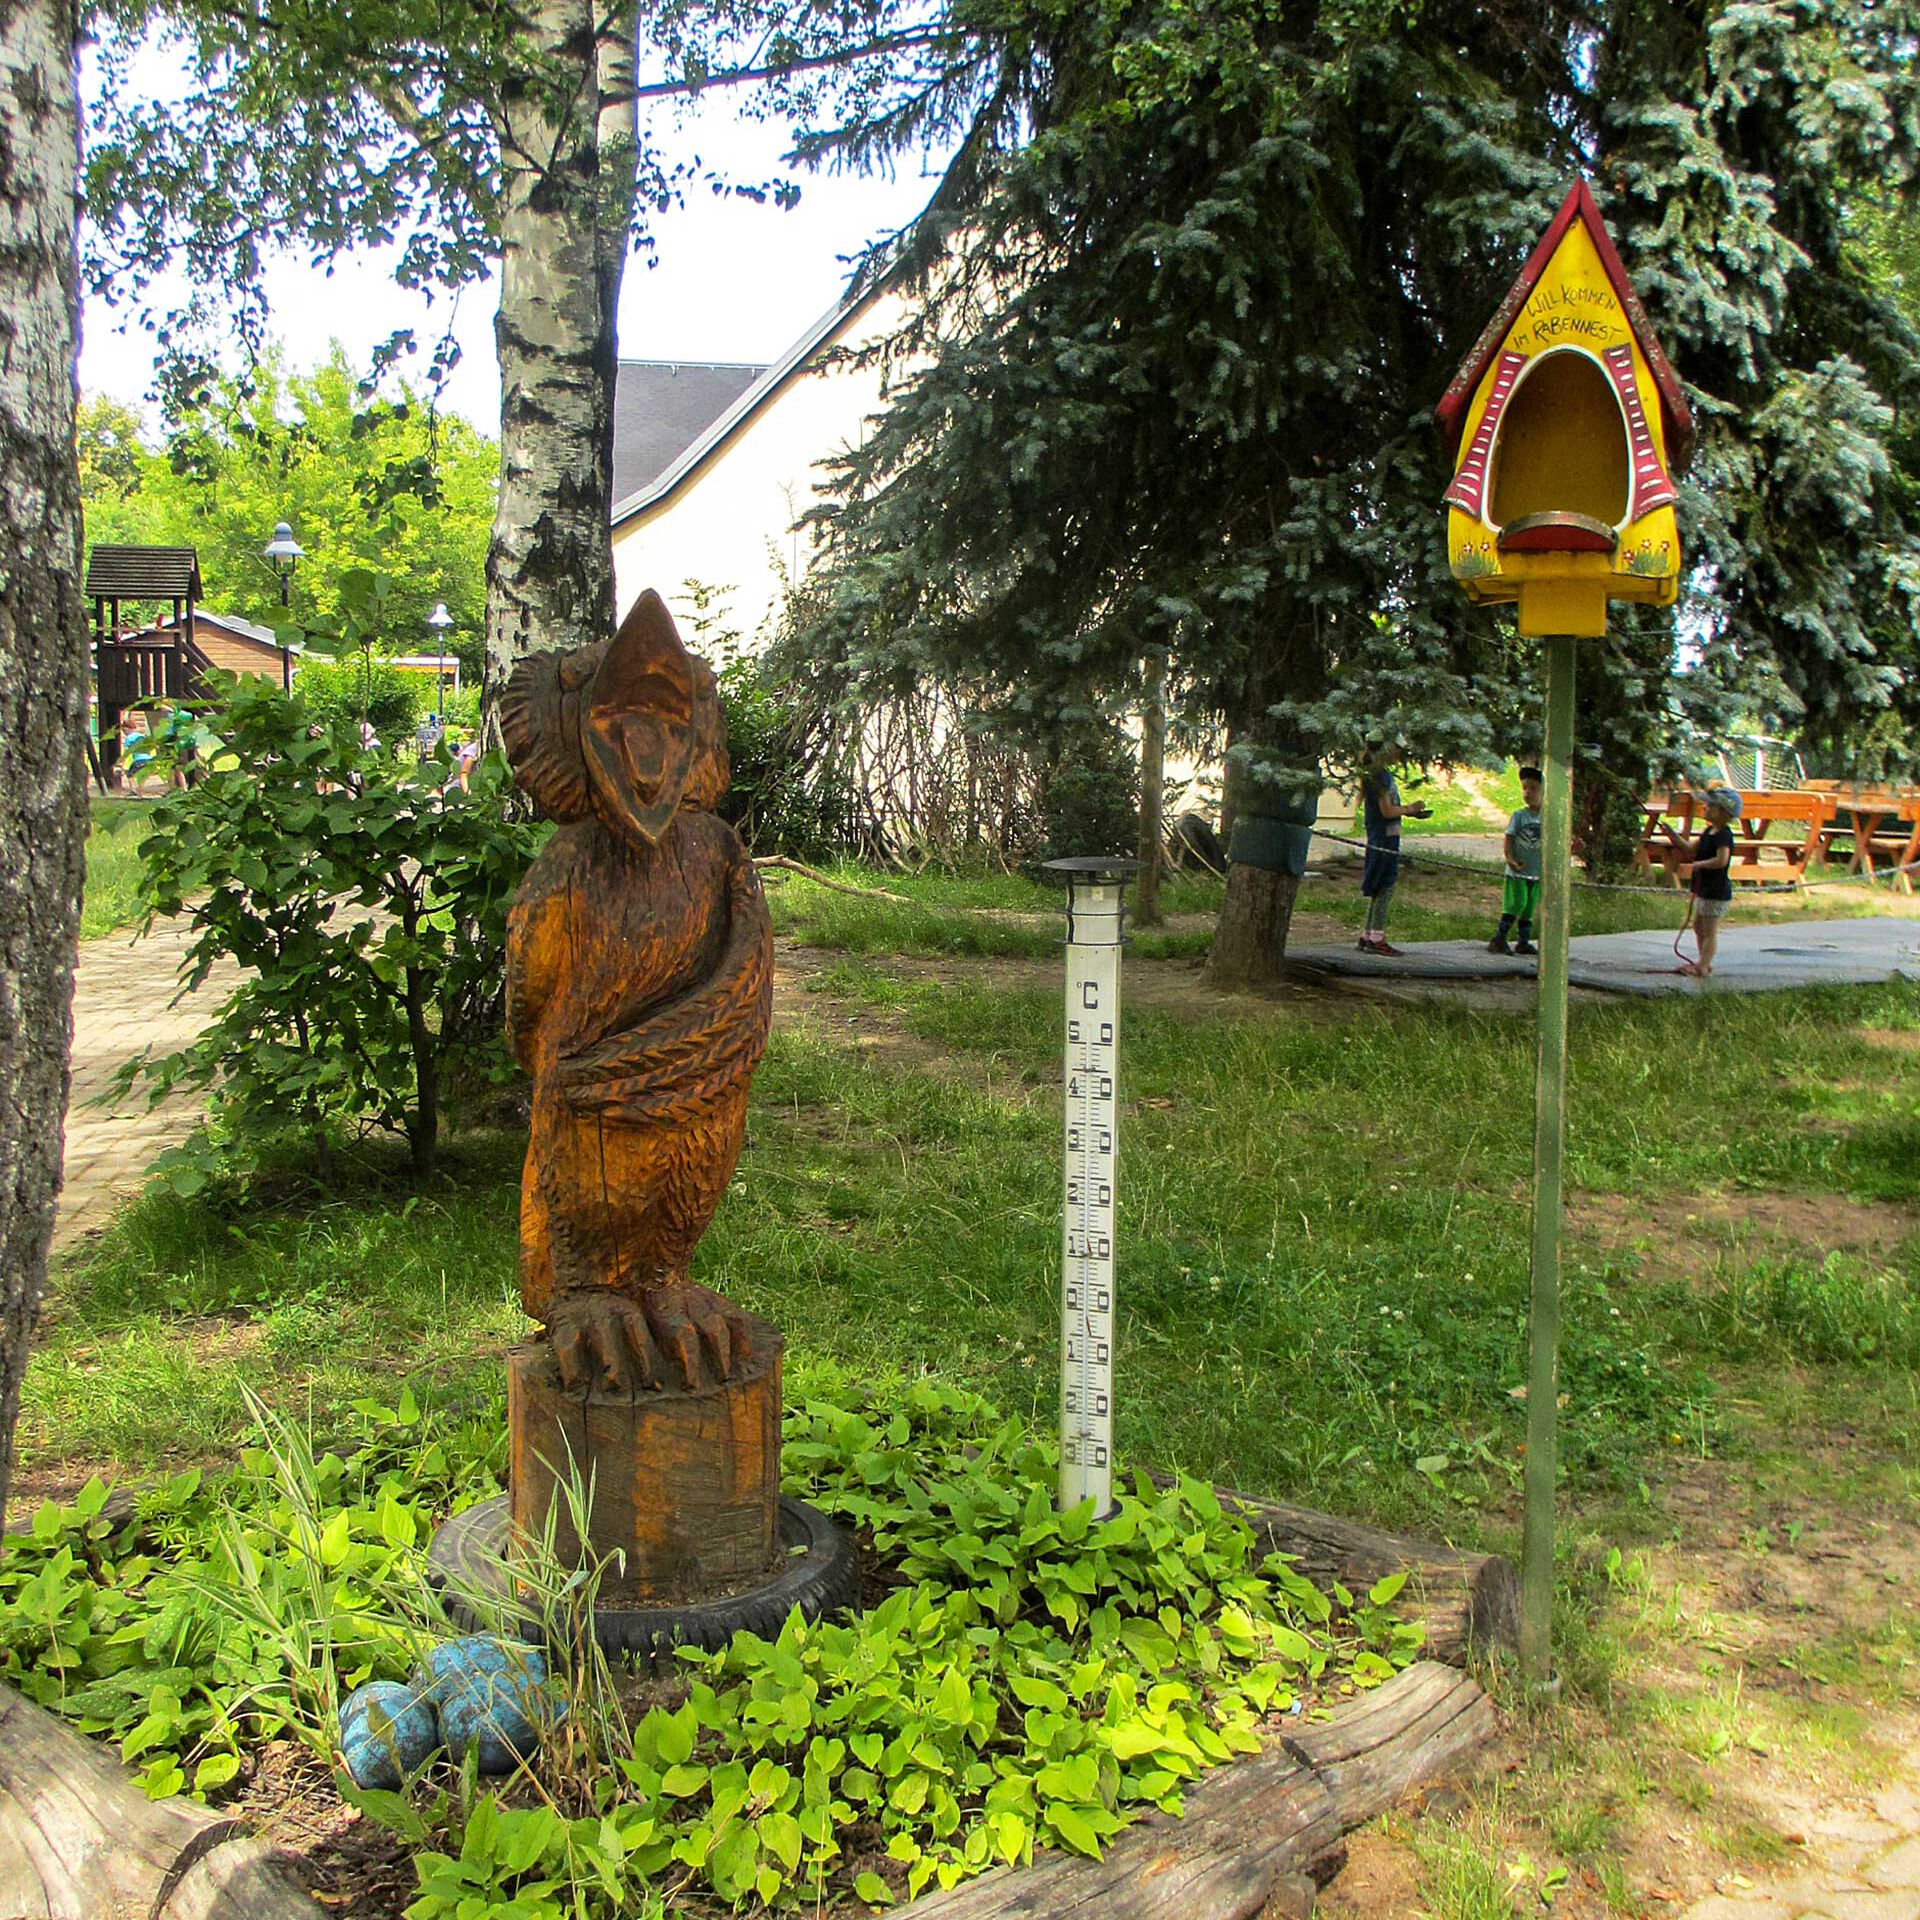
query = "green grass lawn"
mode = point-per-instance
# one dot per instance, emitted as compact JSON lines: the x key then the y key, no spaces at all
{"x":1479,"y":803}
{"x":1442,"y":896}
{"x":1005,"y":915}
{"x":1324,"y":1232}
{"x":111,"y":898}
{"x":1322,"y":1291}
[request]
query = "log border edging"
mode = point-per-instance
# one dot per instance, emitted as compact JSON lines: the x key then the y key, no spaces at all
{"x":1250,"y":1826}
{"x":80,"y":1841}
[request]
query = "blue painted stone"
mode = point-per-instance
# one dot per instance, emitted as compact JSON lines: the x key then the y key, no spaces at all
{"x":489,"y":1694}
{"x":386,"y":1730}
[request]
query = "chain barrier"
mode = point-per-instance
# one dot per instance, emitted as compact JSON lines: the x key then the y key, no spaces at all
{"x":1489,"y":872}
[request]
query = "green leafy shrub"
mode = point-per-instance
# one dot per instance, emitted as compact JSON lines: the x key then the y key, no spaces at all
{"x":1029,"y":1678}
{"x":368,"y":902}
{"x":367,"y":688}
{"x":788,"y":795}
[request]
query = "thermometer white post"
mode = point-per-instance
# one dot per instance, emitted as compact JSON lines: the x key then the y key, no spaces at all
{"x":1096,"y":908}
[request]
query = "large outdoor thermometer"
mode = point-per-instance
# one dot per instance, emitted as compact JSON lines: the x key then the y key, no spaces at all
{"x":1096,"y":898}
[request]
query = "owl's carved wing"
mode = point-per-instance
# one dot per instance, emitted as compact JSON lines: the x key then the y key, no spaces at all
{"x":694,"y":1048}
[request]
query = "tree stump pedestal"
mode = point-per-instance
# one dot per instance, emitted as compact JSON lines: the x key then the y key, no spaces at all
{"x":685,"y":1489}
{"x":685,"y":1485}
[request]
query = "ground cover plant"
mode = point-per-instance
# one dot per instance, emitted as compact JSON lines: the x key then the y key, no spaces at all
{"x":1025,"y":1678}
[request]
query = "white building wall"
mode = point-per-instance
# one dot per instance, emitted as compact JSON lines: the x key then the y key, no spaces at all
{"x":729,"y":524}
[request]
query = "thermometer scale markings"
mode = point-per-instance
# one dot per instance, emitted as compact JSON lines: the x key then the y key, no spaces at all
{"x":1087,"y":1435}
{"x":1096,"y":916}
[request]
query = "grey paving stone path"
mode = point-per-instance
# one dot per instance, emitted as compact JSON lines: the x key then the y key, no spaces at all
{"x":1752,"y":959}
{"x":122,"y":1002}
{"x":1859,"y":1863}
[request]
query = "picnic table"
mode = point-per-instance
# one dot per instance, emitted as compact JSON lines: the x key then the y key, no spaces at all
{"x":1759,"y":859}
{"x":1882,"y":822}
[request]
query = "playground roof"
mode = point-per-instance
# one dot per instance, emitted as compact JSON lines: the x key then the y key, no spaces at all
{"x":143,"y":573}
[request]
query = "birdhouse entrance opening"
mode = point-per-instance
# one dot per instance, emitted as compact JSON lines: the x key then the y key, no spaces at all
{"x":1562,"y":445}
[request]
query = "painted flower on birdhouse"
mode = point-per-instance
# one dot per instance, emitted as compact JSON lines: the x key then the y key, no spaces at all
{"x":1568,"y":426}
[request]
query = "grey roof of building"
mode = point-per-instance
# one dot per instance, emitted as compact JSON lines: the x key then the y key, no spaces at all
{"x":232,"y":622}
{"x":661,"y":407}
{"x":143,"y":573}
{"x":633,"y":495}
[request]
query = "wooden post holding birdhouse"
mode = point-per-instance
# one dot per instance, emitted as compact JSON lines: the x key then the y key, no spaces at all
{"x":1568,"y":427}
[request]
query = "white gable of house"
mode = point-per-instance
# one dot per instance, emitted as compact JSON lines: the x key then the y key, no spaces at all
{"x":722,"y":513}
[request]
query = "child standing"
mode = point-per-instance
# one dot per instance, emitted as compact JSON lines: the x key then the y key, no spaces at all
{"x":1380,"y":873}
{"x":1711,"y":872}
{"x":1522,"y":893}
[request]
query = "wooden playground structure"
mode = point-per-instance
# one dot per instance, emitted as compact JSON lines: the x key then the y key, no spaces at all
{"x":1874,"y":831}
{"x":156,"y":667}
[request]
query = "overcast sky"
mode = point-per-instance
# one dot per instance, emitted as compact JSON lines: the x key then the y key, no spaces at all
{"x":734,"y":281}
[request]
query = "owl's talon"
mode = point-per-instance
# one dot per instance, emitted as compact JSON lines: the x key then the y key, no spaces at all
{"x":617,"y":1343}
{"x":717,"y":1339}
{"x":601,"y":1337}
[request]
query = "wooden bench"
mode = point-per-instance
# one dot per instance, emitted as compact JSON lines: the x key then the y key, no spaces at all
{"x":1758,"y":858}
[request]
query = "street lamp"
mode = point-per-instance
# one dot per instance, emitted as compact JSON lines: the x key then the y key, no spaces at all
{"x":283,"y":553}
{"x":440,"y":620}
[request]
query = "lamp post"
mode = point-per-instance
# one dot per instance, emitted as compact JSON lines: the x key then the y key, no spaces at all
{"x":439,"y":620}
{"x":283,"y":553}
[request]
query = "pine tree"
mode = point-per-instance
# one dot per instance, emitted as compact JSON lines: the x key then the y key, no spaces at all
{"x":1189,"y":301}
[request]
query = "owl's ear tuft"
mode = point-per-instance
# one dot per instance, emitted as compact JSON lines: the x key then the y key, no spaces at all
{"x":539,"y":725}
{"x":639,"y":734}
{"x":646,"y":669}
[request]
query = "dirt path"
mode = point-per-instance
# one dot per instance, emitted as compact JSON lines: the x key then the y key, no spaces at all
{"x":122,"y":990}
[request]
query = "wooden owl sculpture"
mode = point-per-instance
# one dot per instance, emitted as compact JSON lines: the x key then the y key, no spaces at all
{"x":639,"y":994}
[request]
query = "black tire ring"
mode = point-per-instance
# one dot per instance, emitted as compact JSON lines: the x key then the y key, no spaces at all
{"x":824,"y":1577}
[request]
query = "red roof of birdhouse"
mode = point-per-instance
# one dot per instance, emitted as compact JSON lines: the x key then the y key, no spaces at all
{"x":1578,"y":205}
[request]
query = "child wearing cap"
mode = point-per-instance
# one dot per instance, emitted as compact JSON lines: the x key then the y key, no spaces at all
{"x":1710,"y":870}
{"x":1522,"y":892}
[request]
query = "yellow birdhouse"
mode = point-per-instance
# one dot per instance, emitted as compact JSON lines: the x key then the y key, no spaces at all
{"x":1568,"y":426}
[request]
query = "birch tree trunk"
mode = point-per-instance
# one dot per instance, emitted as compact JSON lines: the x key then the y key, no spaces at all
{"x":566,"y":124}
{"x":43,"y":658}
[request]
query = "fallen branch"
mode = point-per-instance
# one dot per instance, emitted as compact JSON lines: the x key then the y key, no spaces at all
{"x":780,"y":862}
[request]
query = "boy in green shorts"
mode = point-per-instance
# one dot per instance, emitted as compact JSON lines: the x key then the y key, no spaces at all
{"x":1522,"y":893}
